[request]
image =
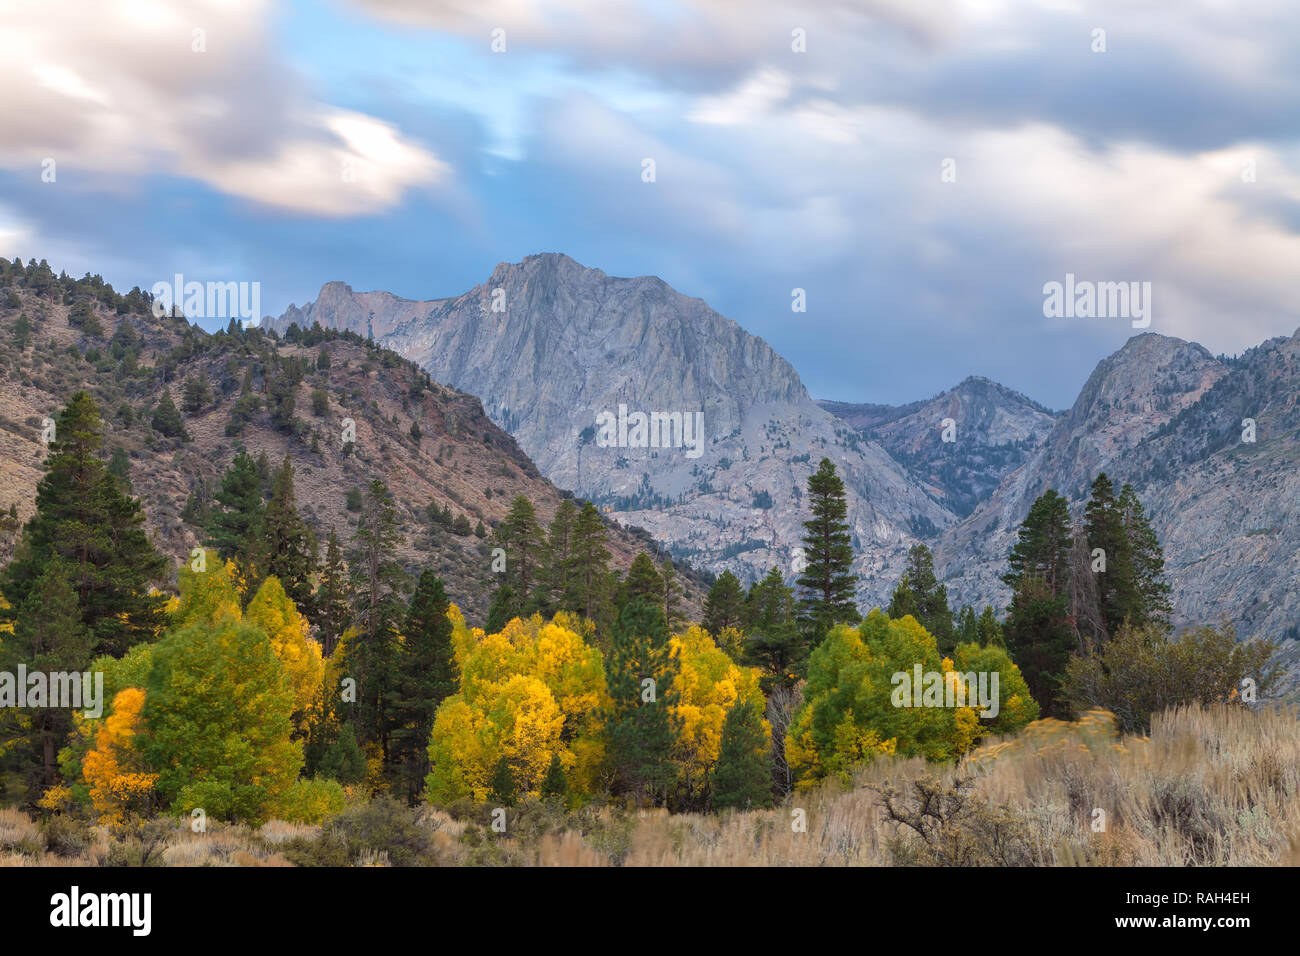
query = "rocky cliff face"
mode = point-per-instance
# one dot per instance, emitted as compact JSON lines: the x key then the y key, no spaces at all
{"x":994,"y":430}
{"x":551,"y":346}
{"x":1167,"y":416}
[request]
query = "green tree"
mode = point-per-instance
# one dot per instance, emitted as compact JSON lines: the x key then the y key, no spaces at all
{"x":920,"y":594}
{"x":235,"y":526}
{"x":558,"y":559}
{"x":639,"y":723}
{"x":503,"y":792}
{"x":521,"y":537}
{"x":85,"y":520}
{"x":379,"y":584}
{"x":167,"y":419}
{"x":743,"y":779}
{"x":588,"y":583}
{"x":333,"y":599}
{"x":287,"y":548}
{"x":1148,"y":562}
{"x":643,"y":582}
{"x":49,"y":637}
{"x":218,"y":712}
{"x":773,"y":641}
{"x":827,"y":581}
{"x":1143,"y":670}
{"x":671,"y":594}
{"x":725,"y":605}
{"x":426,"y":677}
{"x":555,"y":786}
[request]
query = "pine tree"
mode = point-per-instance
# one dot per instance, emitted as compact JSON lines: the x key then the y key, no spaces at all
{"x":502,"y":784}
{"x":773,"y":640}
{"x":1115,"y":585}
{"x":672,"y":594}
{"x":643,"y":582}
{"x":236,"y":526}
{"x":119,"y":466}
{"x":1148,"y":562}
{"x":379,"y":584}
{"x":426,"y":677}
{"x":921,"y":595}
{"x":554,"y":785}
{"x":827,"y":582}
{"x":1042,"y":548}
{"x":743,"y":779}
{"x":639,"y":722}
{"x":558,"y":568}
{"x":167,"y":419}
{"x":521,"y":537}
{"x":333,"y":598}
{"x":287,"y":548}
{"x":1039,"y":630}
{"x":85,"y":520}
{"x":48,"y":638}
{"x":725,"y":605}
{"x":590,"y":576}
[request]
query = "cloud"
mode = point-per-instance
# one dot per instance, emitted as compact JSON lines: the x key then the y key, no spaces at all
{"x":120,"y":90}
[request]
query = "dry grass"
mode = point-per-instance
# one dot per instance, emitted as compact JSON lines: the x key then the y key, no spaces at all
{"x":1207,"y":787}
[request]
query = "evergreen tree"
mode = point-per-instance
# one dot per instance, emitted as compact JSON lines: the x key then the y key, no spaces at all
{"x":167,"y":419}
{"x":773,"y":641}
{"x":643,"y":582}
{"x":559,"y":558}
{"x":639,"y":722}
{"x":827,"y":582}
{"x":725,"y":605}
{"x":119,"y":466}
{"x":236,"y":525}
{"x":554,"y":785}
{"x":589,"y":581}
{"x":1104,"y":528}
{"x":333,"y":598}
{"x":743,"y":780}
{"x":48,"y":638}
{"x":288,"y":548}
{"x":521,"y":537}
{"x":921,"y":595}
{"x":379,"y":584}
{"x":85,"y":520}
{"x":426,"y":677}
{"x":1152,"y":606}
{"x":503,"y":792}
{"x":1042,"y":548}
{"x":1039,"y":630}
{"x":672,"y":594}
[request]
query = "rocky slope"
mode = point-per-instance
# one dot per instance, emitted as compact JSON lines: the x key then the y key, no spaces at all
{"x":550,"y":345}
{"x":461,"y":460}
{"x":995,"y":429}
{"x":1167,"y":416}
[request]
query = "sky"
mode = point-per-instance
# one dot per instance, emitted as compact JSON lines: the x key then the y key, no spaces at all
{"x":920,"y":169}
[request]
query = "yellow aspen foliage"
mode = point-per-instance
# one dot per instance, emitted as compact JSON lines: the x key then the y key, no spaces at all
{"x":707,"y":684}
{"x":211,"y":596}
{"x":274,"y":612}
{"x":520,"y":722}
{"x":463,"y":638}
{"x":531,"y":692}
{"x":119,"y":782}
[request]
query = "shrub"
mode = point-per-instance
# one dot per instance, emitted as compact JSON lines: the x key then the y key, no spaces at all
{"x":1141,"y":671}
